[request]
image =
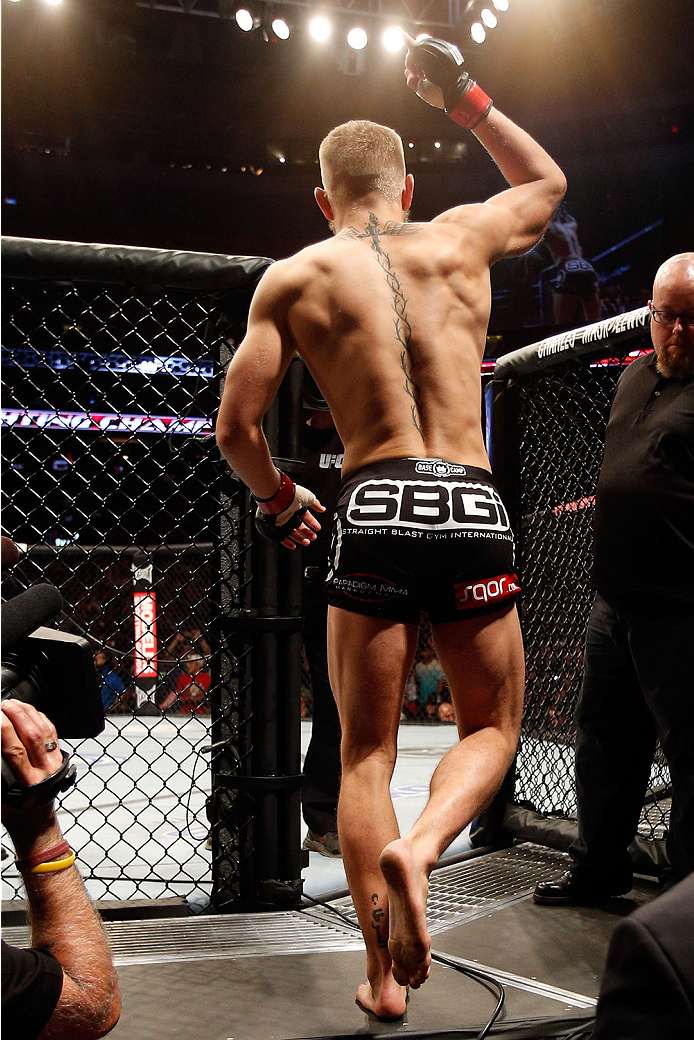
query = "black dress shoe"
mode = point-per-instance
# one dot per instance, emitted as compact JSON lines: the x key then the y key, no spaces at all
{"x":573,"y":889}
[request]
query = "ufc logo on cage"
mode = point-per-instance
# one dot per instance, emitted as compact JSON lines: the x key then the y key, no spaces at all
{"x":329,"y":460}
{"x":423,"y":504}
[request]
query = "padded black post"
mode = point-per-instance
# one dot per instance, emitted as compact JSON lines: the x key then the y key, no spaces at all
{"x":488,"y":828}
{"x":289,"y":663}
{"x":258,"y":796}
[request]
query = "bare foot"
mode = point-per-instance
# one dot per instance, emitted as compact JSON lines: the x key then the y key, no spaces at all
{"x":387,"y":1001}
{"x":410,"y":943}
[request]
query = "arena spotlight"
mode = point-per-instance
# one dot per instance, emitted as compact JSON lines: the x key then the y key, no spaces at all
{"x":423,"y":36}
{"x":357,"y":39}
{"x":319,"y":29}
{"x":477,"y":32}
{"x":245,"y":20}
{"x":393,"y":40}
{"x":489,"y":18}
{"x":53,"y":3}
{"x":280,"y":28}
{"x":501,"y":5}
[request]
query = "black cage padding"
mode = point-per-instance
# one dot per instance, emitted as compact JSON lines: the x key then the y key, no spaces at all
{"x":612,"y":333}
{"x":48,"y":260}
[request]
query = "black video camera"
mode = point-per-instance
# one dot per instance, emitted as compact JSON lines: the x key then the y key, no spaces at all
{"x":54,"y":672}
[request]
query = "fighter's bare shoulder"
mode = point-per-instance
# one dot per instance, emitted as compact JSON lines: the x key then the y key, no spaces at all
{"x":488,"y":223}
{"x":285,"y":276}
{"x":288,"y":279}
{"x":470,"y":216}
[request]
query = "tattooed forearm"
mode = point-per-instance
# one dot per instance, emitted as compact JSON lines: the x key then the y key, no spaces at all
{"x":403,"y":329}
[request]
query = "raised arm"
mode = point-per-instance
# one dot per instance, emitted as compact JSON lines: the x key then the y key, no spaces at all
{"x":518,"y":217}
{"x":537,"y":183}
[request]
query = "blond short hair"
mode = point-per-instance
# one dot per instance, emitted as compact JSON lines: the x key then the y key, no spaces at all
{"x":361,"y":157}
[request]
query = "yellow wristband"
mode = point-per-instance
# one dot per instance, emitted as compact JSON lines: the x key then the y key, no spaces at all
{"x":54,"y":865}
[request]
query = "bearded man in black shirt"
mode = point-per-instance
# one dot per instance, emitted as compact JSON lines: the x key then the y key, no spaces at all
{"x":638,"y":682}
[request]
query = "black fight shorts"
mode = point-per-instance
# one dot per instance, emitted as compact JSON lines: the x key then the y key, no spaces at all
{"x":575,"y":277}
{"x":413,"y":535}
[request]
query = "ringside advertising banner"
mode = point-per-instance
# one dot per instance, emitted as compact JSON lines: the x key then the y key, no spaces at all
{"x":103,"y":422}
{"x":145,"y":605}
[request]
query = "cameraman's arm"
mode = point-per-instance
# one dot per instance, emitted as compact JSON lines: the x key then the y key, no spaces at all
{"x":63,"y":920}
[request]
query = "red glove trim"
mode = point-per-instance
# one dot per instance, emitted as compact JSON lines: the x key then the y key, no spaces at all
{"x":281,"y":500}
{"x":473,"y":107}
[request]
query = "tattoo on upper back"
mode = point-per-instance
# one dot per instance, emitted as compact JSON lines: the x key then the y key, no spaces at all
{"x":391,"y":227}
{"x":403,"y":329}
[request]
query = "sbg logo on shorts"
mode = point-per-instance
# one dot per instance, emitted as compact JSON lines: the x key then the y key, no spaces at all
{"x":483,"y":593}
{"x":426,"y":504}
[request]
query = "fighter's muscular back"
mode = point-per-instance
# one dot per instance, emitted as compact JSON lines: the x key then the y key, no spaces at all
{"x":391,"y":319}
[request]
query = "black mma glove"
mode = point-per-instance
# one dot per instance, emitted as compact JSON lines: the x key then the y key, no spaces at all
{"x":464,"y":101}
{"x":277,"y":517}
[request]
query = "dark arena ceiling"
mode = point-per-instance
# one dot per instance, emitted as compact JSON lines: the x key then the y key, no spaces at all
{"x":149,"y":123}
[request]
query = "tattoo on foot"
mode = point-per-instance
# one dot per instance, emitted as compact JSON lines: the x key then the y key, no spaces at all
{"x":403,"y":329}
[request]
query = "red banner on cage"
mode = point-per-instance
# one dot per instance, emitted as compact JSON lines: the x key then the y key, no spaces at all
{"x":145,"y":604}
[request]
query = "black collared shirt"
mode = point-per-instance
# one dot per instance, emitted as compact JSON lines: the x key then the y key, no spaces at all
{"x":32,"y":981}
{"x":644,"y":514}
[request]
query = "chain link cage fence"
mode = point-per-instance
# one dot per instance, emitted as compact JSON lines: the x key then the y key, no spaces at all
{"x":552,"y":402}
{"x":112,"y":363}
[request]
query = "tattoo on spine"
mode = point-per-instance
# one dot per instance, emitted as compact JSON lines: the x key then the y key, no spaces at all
{"x":403,"y":329}
{"x":377,"y":916}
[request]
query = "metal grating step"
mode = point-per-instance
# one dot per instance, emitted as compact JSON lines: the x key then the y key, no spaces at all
{"x":457,"y":893}
{"x":475,"y":887}
{"x":216,"y":936}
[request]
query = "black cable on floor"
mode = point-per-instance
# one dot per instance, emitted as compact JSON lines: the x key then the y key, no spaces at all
{"x":481,"y":977}
{"x":580,"y":1028}
{"x":478,"y":976}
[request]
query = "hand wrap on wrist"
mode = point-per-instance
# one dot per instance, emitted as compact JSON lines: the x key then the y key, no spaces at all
{"x":278,"y":502}
{"x":464,"y":101}
{"x":284,"y":511}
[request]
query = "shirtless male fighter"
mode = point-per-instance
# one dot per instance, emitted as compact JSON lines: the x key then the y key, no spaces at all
{"x":391,"y":319}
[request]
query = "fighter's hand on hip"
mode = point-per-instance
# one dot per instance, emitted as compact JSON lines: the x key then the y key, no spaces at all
{"x":295,"y":525}
{"x":308,"y":527}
